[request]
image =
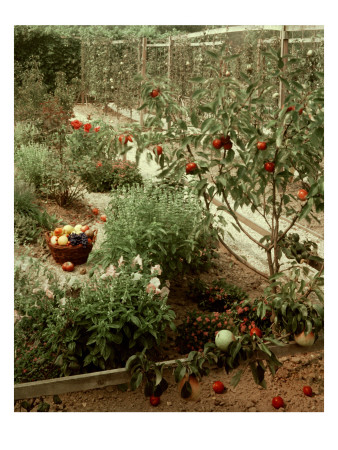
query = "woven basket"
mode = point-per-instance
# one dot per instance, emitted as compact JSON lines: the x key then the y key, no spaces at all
{"x":76,"y":254}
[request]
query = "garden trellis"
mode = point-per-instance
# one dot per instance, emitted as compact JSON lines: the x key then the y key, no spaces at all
{"x":108,"y":67}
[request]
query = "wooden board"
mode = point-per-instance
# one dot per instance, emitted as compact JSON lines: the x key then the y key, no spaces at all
{"x":115,"y":377}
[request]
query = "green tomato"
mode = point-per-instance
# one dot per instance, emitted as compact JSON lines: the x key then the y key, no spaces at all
{"x":223,"y":339}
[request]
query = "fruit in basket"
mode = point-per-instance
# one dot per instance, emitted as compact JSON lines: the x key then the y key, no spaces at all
{"x":223,"y":339}
{"x":68,"y":266}
{"x":63,"y":240}
{"x":58,"y":231}
{"x":84,"y":228}
{"x":78,"y":238}
{"x":67,"y":229}
{"x":90,"y":233}
{"x":54,"y":240}
{"x":78,"y":227}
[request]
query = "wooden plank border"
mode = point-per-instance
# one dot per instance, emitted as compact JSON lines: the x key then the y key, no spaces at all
{"x":115,"y":377}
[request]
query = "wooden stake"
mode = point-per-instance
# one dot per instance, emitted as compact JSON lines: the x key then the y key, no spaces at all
{"x":143,"y":73}
{"x":284,"y":51}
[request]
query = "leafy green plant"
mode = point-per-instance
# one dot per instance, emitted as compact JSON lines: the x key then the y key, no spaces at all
{"x":104,"y":175}
{"x":163,"y":225}
{"x":218,"y":296}
{"x":96,"y":327}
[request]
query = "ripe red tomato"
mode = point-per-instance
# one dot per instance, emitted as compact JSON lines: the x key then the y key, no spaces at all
{"x":218,"y":387}
{"x":154,"y":401}
{"x":121,"y":138}
{"x":154,"y":93}
{"x":300,"y":112}
{"x":217,"y":143}
{"x":228,"y":145}
{"x":269,"y":166}
{"x":307,"y":391}
{"x":128,"y":138}
{"x":277,"y":402}
{"x":103,"y":218}
{"x":159,"y":150}
{"x":225,"y":139}
{"x":68,"y":266}
{"x":99,"y":164}
{"x":291,"y":108}
{"x":190,"y":167}
{"x":256,"y":331}
{"x":302,"y":194}
{"x":261,"y":145}
{"x":95,"y":211}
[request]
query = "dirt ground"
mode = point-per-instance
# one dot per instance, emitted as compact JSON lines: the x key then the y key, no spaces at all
{"x":296,"y":372}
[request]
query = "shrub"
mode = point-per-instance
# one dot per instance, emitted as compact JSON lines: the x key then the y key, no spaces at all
{"x":163,"y":225}
{"x":218,"y":296}
{"x":50,"y":171}
{"x":99,"y":327}
{"x":29,"y":220}
{"x":103,"y":175}
{"x":198,"y":329}
{"x":25,"y":133}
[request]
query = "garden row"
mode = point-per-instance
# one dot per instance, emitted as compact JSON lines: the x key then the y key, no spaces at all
{"x":157,"y":231}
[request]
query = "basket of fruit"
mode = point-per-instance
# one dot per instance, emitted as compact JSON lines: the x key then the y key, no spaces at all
{"x":71,"y":244}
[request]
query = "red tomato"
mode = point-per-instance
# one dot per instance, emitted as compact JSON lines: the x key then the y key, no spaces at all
{"x":269,"y":166}
{"x":84,"y":228}
{"x":256,"y":331}
{"x":121,"y":138}
{"x":225,"y":139}
{"x":58,"y":231}
{"x":68,"y":266}
{"x":277,"y":402}
{"x":99,"y":164}
{"x":307,"y":391}
{"x":302,"y":194}
{"x":261,"y":145}
{"x":217,"y":143}
{"x":300,"y":112}
{"x":291,"y":108}
{"x":159,"y":150}
{"x":154,"y":401}
{"x":218,"y":387}
{"x":95,"y":211}
{"x":228,"y":145}
{"x":190,"y":167}
{"x":154,"y":93}
{"x":129,"y":138}
{"x":103,"y":218}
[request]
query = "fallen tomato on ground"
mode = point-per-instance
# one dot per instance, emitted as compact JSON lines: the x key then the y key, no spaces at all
{"x":103,"y":218}
{"x":307,"y":391}
{"x":218,"y":387}
{"x":277,"y":402}
{"x":95,"y":211}
{"x":68,"y":266}
{"x":154,"y":401}
{"x":154,"y":93}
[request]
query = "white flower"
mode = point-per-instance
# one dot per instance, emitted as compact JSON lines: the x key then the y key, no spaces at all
{"x":121,"y":261}
{"x":136,"y":276}
{"x":157,"y":269}
{"x":151,"y":288}
{"x":164,"y":292}
{"x":137,"y":260}
{"x":155,"y":281}
{"x":110,"y":272}
{"x":35,"y":290}
{"x":63,"y":301}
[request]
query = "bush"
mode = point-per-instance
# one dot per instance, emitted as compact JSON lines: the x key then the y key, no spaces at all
{"x":29,"y":220}
{"x":162,"y":225}
{"x":25,"y":133}
{"x":50,"y":171}
{"x":99,"y":328}
{"x":240,"y":317}
{"x":218,"y":296}
{"x":104,"y":175}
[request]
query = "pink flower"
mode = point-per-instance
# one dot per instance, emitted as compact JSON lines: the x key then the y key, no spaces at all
{"x":151,"y":288}
{"x":205,"y":333}
{"x":207,"y":319}
{"x":243,"y":327}
{"x":219,"y":325}
{"x":199,"y":319}
{"x":49,"y":294}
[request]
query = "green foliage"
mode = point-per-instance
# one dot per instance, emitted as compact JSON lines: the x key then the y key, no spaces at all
{"x":95,"y":328}
{"x":102,"y":176}
{"x":294,"y":248}
{"x":29,"y":220}
{"x":165,"y":226}
{"x":218,"y":296}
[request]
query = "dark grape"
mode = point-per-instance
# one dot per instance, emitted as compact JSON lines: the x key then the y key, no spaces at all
{"x":76,"y":239}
